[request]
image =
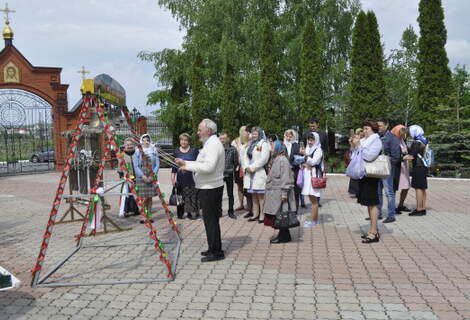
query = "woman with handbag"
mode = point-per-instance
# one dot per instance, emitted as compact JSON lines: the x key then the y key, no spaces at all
{"x":255,"y":160}
{"x":183,"y":181}
{"x":279,"y":191}
{"x":312,"y":168}
{"x":370,"y":147}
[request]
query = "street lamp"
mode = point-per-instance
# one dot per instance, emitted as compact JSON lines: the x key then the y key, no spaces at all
{"x":135,"y":114}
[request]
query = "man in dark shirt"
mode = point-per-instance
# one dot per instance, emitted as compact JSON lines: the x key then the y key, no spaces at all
{"x":231,"y":162}
{"x":391,"y":148}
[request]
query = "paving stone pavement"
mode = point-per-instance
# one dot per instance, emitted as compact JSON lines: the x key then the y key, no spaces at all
{"x":419,"y":270}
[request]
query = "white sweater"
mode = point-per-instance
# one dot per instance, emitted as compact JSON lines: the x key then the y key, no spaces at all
{"x":209,"y":166}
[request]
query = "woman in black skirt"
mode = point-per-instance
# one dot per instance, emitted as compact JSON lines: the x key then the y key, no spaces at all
{"x":419,"y":171}
{"x":371,"y":146}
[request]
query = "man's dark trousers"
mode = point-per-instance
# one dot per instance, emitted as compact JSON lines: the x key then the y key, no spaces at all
{"x":229,"y":183}
{"x":211,"y":205}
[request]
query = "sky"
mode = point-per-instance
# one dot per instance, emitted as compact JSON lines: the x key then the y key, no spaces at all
{"x":105,"y":36}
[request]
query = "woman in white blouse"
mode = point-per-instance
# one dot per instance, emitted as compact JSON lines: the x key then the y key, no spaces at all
{"x":255,"y":160}
{"x":371,"y":147}
{"x":312,"y":167}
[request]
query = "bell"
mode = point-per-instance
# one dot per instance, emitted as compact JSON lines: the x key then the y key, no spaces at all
{"x":94,"y":119}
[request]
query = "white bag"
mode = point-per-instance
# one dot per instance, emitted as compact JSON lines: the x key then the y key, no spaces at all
{"x":379,"y":168}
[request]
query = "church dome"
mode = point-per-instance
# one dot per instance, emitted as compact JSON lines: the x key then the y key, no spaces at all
{"x":7,"y":31}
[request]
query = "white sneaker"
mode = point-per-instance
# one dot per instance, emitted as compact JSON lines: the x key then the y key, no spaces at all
{"x":309,"y":224}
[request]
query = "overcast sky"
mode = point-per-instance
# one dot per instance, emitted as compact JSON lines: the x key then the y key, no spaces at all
{"x":106,"y":35}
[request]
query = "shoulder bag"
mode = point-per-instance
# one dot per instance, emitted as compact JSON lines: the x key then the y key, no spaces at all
{"x":286,"y":219}
{"x":318,"y":182}
{"x":379,"y":168}
{"x":175,"y":198}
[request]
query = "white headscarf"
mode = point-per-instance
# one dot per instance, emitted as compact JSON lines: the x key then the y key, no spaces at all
{"x":151,"y":148}
{"x":417,"y":133}
{"x":309,"y":150}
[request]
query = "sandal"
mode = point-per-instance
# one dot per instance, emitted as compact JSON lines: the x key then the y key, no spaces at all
{"x":367,"y":239}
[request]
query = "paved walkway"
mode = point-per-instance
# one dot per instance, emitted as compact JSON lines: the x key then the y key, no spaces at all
{"x":419,"y":270}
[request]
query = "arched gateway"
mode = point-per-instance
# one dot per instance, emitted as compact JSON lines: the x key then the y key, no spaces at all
{"x":32,"y":100}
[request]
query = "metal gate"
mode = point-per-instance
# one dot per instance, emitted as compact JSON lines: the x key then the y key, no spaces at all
{"x":26,"y":140}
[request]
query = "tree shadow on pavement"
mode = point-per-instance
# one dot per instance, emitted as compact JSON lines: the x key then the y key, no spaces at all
{"x":230,"y":244}
{"x":15,"y":304}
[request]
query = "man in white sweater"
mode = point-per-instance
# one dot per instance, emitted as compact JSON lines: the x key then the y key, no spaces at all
{"x":208,"y":170}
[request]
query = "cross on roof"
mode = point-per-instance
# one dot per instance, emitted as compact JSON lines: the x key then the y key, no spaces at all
{"x":83,"y":72}
{"x":7,"y":11}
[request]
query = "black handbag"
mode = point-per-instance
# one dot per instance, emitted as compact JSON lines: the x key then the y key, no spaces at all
{"x":286,"y":219}
{"x":175,"y":198}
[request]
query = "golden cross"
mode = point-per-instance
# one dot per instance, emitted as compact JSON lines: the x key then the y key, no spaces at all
{"x":7,"y":11}
{"x":83,"y":72}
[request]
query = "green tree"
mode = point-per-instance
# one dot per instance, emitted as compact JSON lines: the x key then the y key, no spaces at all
{"x":230,"y":103}
{"x":311,"y":82}
{"x":368,"y":95}
{"x":377,"y":95}
{"x":270,"y":115}
{"x":359,"y":72}
{"x":400,"y":78}
{"x":434,"y":76}
{"x":198,"y":94}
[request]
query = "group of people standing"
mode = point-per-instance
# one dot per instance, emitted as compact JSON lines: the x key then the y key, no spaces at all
{"x":271,"y":173}
{"x":406,"y":160}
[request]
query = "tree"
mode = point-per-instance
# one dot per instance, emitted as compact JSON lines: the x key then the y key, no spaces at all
{"x":270,"y":115}
{"x":230,"y":103}
{"x":378,"y":99}
{"x":400,"y":80}
{"x":311,"y":84}
{"x":368,"y":95}
{"x":198,"y":94}
{"x":434,"y":76}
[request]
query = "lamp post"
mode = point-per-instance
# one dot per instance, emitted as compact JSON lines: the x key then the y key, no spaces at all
{"x":135,"y":115}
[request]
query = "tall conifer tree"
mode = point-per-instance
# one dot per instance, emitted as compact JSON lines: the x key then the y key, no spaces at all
{"x":198,"y":95}
{"x":368,"y":95}
{"x":311,"y":80}
{"x":359,"y":72}
{"x":230,"y":103}
{"x":271,"y":118}
{"x":377,"y":96}
{"x":434,"y":76}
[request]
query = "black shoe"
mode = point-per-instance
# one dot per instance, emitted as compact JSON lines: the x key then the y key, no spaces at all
{"x":143,"y":221}
{"x":380,"y":218}
{"x":398,"y":212}
{"x":198,"y":216}
{"x":232,"y":215}
{"x":253,"y":219}
{"x":417,"y":213}
{"x":261,"y":221}
{"x":404,"y":209}
{"x":191,"y":217}
{"x":279,"y":240}
{"x":376,"y":238}
{"x":248,"y":215}
{"x":389,"y":219}
{"x":205,"y":253}
{"x":213,"y":257}
{"x":303,"y":206}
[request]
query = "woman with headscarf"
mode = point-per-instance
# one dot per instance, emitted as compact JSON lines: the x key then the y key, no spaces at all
{"x":146,"y":187}
{"x":293,"y":148}
{"x":279,"y":189}
{"x":254,"y":162}
{"x":240,"y":144}
{"x":403,"y":175}
{"x":419,"y":172}
{"x":371,"y":147}
{"x":312,"y":167}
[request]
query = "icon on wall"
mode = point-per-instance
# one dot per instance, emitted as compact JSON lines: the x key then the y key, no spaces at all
{"x":11,"y":73}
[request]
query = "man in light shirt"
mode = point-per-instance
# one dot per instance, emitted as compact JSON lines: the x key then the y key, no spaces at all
{"x":208,"y":170}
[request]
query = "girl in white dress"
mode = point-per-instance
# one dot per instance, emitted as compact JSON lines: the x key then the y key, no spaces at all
{"x":313,"y":162}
